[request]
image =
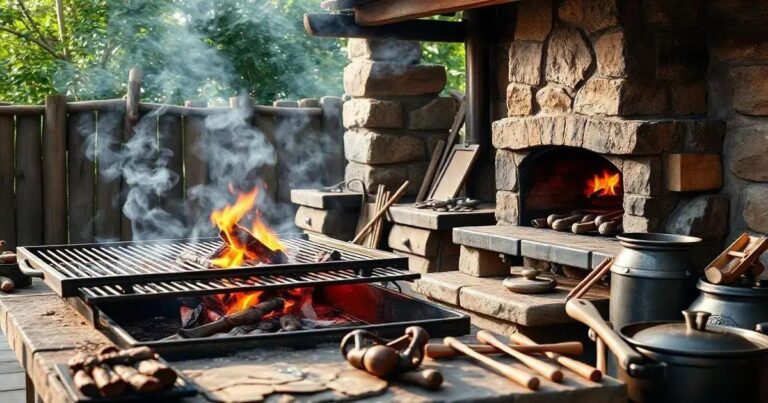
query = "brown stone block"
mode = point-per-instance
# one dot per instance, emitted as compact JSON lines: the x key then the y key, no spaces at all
{"x":739,"y":47}
{"x":620,"y":97}
{"x":554,"y":99}
{"x":437,"y":114}
{"x":755,"y":211}
{"x":507,"y":207}
{"x":534,"y":20}
{"x":639,"y":137}
{"x":591,"y":15}
{"x":694,"y":172}
{"x":611,"y":53}
{"x":506,"y":170}
{"x":372,"y":113}
{"x":444,"y":287}
{"x":568,"y":57}
{"x":680,"y":56}
{"x":642,"y":176}
{"x":640,"y":224}
{"x":369,"y":147}
{"x":387,"y":50}
{"x":421,"y":264}
{"x":688,"y":98}
{"x":704,"y":136}
{"x":519,"y":100}
{"x":334,"y":223}
{"x":392,"y":176}
{"x":415,"y":241}
{"x":481,"y":263}
{"x":370,"y":79}
{"x":525,"y":62}
{"x":749,"y":151}
{"x":648,"y":206}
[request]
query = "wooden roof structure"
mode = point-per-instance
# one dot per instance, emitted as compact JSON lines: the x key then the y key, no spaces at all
{"x":381,"y":12}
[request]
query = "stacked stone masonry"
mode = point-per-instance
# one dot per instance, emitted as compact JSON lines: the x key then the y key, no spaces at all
{"x":629,"y":80}
{"x":394,"y":116}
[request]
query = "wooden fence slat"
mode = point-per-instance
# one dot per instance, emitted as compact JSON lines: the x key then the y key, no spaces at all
{"x":7,"y":198}
{"x":334,"y":138}
{"x":29,"y":190}
{"x":266,"y":124}
{"x":170,"y":138}
{"x":55,"y":170}
{"x":81,"y":136}
{"x":285,"y":137}
{"x":108,"y":211}
{"x":195,"y":165}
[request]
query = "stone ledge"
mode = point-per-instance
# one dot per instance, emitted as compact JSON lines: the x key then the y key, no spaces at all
{"x":580,"y":251}
{"x":488,"y":297}
{"x":326,"y":200}
{"x":425,"y":218}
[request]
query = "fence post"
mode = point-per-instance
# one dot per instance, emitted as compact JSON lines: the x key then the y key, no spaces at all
{"x":7,"y":198}
{"x":133,"y":96}
{"x":55,"y":170}
{"x":81,"y":136}
{"x":29,"y":196}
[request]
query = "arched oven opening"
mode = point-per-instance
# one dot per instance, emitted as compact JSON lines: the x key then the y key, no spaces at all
{"x":563,"y":186}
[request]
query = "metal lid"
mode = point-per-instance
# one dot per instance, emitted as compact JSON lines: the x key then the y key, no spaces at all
{"x":733,"y":291}
{"x":656,"y":239}
{"x":529,"y":283}
{"x":694,"y":337}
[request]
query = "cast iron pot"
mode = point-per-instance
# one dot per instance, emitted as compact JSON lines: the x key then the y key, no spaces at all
{"x":687,"y":361}
{"x":744,"y":307}
{"x":651,"y":278}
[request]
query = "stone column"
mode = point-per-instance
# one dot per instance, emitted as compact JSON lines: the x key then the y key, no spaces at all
{"x":394,"y":116}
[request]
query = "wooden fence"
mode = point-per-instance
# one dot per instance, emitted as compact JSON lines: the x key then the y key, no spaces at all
{"x":51,"y":192}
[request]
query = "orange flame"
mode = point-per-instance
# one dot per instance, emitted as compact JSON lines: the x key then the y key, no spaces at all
{"x":604,"y":185}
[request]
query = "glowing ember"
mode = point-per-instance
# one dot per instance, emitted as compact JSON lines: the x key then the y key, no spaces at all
{"x":603,"y":185}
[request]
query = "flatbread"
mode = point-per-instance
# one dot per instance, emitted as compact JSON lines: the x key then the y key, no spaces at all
{"x":356,"y":383}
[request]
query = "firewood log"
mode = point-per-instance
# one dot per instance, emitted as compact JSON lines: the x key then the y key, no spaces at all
{"x":599,"y":220}
{"x":139,"y":382}
{"x":610,"y":227}
{"x":248,"y":316}
{"x":157,"y":369}
{"x":127,"y":356}
{"x":552,"y":217}
{"x":583,"y":227}
{"x":108,"y":382}
{"x":539,"y":223}
{"x":7,"y":258}
{"x":6,"y":284}
{"x":85,"y":384}
{"x":564,"y":224}
{"x":246,"y":240}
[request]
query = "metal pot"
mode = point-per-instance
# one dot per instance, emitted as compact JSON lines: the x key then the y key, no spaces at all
{"x":687,"y":361}
{"x":744,"y":307}
{"x":651,"y":278}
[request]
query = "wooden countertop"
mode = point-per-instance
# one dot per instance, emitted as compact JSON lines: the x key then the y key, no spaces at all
{"x":44,"y":330}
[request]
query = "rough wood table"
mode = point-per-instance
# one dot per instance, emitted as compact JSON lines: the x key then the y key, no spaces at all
{"x":43,"y":331}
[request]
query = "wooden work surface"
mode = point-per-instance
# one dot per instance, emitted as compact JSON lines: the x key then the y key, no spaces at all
{"x":43,"y":330}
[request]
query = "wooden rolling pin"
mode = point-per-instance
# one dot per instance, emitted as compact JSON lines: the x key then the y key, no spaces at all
{"x":436,"y":351}
{"x":585,"y":371}
{"x":547,"y":370}
{"x":516,"y":375}
{"x":427,"y":378}
{"x":564,"y":224}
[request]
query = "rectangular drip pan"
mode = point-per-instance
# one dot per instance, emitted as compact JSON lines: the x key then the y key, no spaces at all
{"x":383,"y":311}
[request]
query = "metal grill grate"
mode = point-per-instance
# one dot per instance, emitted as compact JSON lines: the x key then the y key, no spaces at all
{"x":123,"y":266}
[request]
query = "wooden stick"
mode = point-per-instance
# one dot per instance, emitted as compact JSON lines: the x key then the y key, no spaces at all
{"x":584,"y":370}
{"x":587,"y":281}
{"x":85,"y":384}
{"x":608,"y":217}
{"x":157,"y":369}
{"x":552,"y":217}
{"x":516,"y":375}
{"x":437,"y":351}
{"x":138,"y":382}
{"x":549,"y":371}
{"x":539,"y":223}
{"x":381,"y":199}
{"x":6,"y":284}
{"x":427,"y":378}
{"x":380,"y":223}
{"x":248,"y":316}
{"x":564,"y":224}
{"x":108,"y":382}
{"x":431,"y":169}
{"x":610,"y":227}
{"x":381,"y":212}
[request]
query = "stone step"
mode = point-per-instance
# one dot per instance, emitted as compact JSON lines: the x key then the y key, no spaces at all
{"x":408,"y":214}
{"x":581,"y":251}
{"x":326,"y":200}
{"x":486,"y":296}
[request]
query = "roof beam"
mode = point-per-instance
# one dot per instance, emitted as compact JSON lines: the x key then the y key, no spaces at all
{"x":389,"y":11}
{"x":344,"y":26}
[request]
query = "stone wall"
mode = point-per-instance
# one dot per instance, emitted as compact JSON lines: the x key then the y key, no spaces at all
{"x":394,"y":116}
{"x":737,"y":35}
{"x":625,"y":79}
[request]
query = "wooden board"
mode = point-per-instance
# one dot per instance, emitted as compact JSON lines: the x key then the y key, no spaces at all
{"x":7,"y":174}
{"x":108,"y":207}
{"x":736,"y":259}
{"x":694,"y":172}
{"x":29,"y":180}
{"x":54,"y":147}
{"x":455,"y":171}
{"x":170,"y":140}
{"x":388,"y":11}
{"x":195,"y":163}
{"x":81,"y":137}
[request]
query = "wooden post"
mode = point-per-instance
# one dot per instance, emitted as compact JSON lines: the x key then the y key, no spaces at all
{"x":29,"y":179}
{"x":7,"y":199}
{"x":108,"y":207}
{"x":170,"y":138}
{"x":284,"y":136}
{"x":334,"y":135}
{"x":195,"y":161}
{"x":54,"y":170}
{"x":132,"y":99}
{"x":81,"y":136}
{"x":266,"y":123}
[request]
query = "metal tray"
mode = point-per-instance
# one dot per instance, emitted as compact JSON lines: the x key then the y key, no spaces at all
{"x":66,"y":268}
{"x":183,"y":388}
{"x":384,"y":311}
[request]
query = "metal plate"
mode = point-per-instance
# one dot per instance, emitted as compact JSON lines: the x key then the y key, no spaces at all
{"x":66,"y":268}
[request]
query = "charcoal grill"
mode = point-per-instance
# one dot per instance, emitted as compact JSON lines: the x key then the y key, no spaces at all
{"x":115,"y":284}
{"x":119,"y":266}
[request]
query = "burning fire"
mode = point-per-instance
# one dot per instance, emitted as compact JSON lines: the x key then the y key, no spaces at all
{"x":228,"y":218}
{"x":603,"y":185}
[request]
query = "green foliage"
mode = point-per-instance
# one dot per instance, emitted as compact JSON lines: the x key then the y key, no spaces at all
{"x":188,"y":49}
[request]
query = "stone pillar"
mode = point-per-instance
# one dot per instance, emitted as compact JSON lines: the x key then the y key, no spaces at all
{"x":394,"y":116}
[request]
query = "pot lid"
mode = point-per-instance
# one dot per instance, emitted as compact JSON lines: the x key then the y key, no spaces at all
{"x":732,"y":290}
{"x":694,"y":337}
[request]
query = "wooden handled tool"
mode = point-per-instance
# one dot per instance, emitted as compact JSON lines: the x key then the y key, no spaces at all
{"x":584,"y":370}
{"x":85,"y":384}
{"x":381,"y":212}
{"x":108,"y":382}
{"x":549,"y":371}
{"x":516,"y":375}
{"x":427,"y":378}
{"x":436,"y":351}
{"x":593,"y":277}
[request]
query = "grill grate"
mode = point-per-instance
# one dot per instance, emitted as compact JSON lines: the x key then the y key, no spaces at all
{"x":137,"y":267}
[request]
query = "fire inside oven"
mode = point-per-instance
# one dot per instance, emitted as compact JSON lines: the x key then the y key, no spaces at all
{"x":568,"y":181}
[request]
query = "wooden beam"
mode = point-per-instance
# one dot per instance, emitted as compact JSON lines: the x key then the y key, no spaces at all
{"x":344,"y":26}
{"x":388,"y":11}
{"x":335,"y":5}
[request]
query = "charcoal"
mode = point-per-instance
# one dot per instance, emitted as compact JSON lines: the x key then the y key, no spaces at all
{"x":241,"y":330}
{"x":289,"y":323}
{"x":192,"y":317}
{"x":269,"y":325}
{"x":327,"y":256}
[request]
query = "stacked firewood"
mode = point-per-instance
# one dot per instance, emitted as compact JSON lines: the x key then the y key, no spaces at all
{"x":607,"y":223}
{"x":113,"y":372}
